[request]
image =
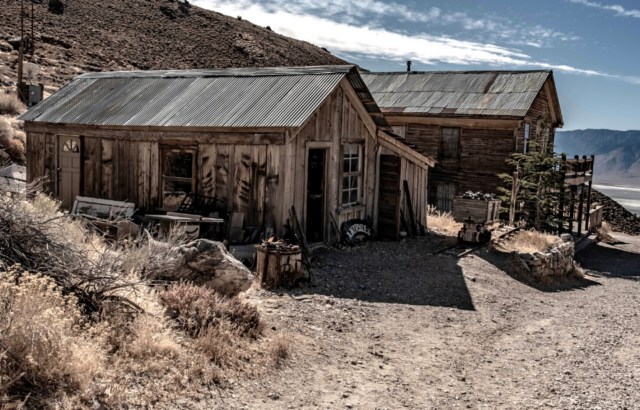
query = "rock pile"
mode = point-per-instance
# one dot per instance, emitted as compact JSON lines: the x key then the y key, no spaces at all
{"x":557,"y":262}
{"x":479,"y":196}
{"x":620,"y":219}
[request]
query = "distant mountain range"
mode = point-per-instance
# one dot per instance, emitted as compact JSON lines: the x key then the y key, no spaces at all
{"x":617,"y":153}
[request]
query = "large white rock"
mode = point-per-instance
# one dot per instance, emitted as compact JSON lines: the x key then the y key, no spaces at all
{"x":205,"y":263}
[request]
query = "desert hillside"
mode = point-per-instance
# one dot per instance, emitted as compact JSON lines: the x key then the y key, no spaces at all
{"x":144,"y":35}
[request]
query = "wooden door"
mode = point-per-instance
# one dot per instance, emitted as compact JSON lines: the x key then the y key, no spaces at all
{"x":389,"y":197}
{"x":69,"y":160}
{"x":446,"y":192}
{"x":315,"y":195}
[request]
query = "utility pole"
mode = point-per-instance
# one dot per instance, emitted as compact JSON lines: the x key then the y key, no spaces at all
{"x":21,"y":51}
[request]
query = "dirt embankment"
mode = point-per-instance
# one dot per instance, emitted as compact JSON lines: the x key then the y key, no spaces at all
{"x":144,"y":35}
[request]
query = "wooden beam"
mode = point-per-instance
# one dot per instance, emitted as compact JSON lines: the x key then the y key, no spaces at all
{"x":36,"y":126}
{"x":395,"y":119}
{"x":399,"y":148}
{"x":552,"y":108}
{"x":136,"y":134}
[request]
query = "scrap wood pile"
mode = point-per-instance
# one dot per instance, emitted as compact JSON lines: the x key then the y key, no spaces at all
{"x":478,"y":196}
{"x":275,"y":244}
{"x":620,"y":219}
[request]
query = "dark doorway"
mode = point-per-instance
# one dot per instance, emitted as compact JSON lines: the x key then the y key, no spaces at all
{"x":389,"y":197}
{"x":315,"y":195}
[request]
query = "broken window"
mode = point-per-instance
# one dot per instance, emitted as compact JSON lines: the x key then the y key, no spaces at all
{"x":450,"y":143}
{"x":177,"y":177}
{"x":351,"y":174}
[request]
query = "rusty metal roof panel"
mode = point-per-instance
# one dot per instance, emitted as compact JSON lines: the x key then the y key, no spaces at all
{"x":274,"y":97}
{"x":504,"y":93}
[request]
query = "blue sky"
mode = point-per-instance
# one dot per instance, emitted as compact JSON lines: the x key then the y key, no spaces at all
{"x":592,"y":46}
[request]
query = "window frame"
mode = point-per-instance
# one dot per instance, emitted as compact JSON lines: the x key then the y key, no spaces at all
{"x":441,"y":146}
{"x":527,"y":135}
{"x":357,"y":174}
{"x":163,"y":177}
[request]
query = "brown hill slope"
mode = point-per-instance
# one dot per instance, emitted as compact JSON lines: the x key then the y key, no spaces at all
{"x":111,"y":35}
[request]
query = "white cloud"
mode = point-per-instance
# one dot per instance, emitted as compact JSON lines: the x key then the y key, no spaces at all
{"x":350,"y":40}
{"x":619,"y":10}
{"x":371,"y":12}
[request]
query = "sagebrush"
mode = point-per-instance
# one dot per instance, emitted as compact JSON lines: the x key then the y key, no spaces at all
{"x":11,"y":105}
{"x":82,"y":323}
{"x":12,"y":141}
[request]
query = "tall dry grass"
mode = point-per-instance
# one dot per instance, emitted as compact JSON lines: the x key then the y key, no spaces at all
{"x":98,"y":331}
{"x":443,"y":221}
{"x":604,"y":233}
{"x":530,"y":241}
{"x":12,"y":141}
{"x":11,"y":105}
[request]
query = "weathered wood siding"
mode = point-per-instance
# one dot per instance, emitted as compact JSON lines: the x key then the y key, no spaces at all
{"x":338,"y":120}
{"x":483,"y":155}
{"x":260,"y":174}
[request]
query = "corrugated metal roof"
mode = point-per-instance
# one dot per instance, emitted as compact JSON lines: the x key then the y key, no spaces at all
{"x":244,"y":97}
{"x":500,"y":93}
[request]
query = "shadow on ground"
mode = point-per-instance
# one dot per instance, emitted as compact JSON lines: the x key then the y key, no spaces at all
{"x":392,"y":272}
{"x":616,"y":259}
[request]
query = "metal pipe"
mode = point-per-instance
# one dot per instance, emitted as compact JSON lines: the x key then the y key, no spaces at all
{"x":408,"y":65}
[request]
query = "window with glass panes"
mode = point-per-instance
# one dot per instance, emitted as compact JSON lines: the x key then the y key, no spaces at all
{"x":351,"y":174}
{"x":177,"y":177}
{"x":450,"y":143}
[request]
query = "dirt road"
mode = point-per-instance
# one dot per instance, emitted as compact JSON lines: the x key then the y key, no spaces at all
{"x":390,"y":326}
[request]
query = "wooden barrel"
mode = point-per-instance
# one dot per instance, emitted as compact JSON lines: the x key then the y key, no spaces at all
{"x":276,"y":269}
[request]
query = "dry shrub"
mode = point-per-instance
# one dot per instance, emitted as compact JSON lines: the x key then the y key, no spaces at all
{"x":13,"y":141}
{"x":11,"y":105}
{"x":198,"y":308}
{"x":443,"y":221}
{"x":42,"y":335}
{"x":577,"y":272}
{"x":88,"y":328}
{"x":530,"y":241}
{"x":604,"y":233}
{"x":280,"y":347}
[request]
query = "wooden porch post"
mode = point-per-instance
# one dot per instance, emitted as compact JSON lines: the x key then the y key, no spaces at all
{"x":563,"y":170}
{"x":580,"y":210}
{"x":572,"y":208}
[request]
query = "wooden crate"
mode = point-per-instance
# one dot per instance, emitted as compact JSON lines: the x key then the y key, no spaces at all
{"x":475,"y":211}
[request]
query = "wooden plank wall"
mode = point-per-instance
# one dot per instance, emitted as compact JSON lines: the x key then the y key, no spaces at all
{"x":483,"y":155}
{"x":336,"y":121}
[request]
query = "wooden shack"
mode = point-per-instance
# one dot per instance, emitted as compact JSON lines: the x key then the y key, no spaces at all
{"x":471,"y":122}
{"x":259,"y":140}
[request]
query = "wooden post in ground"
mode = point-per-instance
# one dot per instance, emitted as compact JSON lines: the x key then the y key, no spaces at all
{"x":561,"y":205}
{"x":588,"y":222}
{"x":514,"y":194}
{"x":581,"y":210}
{"x":572,"y":208}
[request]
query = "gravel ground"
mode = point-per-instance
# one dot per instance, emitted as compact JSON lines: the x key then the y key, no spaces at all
{"x":390,"y":326}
